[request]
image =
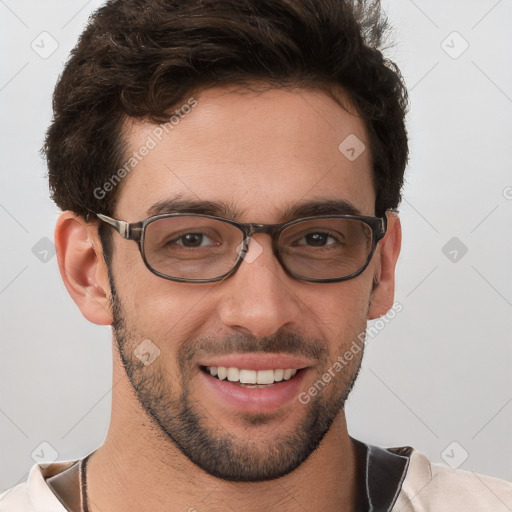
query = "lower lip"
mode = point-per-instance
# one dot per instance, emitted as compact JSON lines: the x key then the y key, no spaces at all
{"x":254,"y":400}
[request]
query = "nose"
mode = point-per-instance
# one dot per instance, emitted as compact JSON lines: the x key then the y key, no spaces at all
{"x":260,"y":297}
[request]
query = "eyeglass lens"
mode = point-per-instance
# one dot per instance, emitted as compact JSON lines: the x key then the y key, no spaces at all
{"x":191,"y":247}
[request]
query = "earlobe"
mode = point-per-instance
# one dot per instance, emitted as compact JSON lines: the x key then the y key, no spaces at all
{"x":82,"y":267}
{"x":383,"y":290}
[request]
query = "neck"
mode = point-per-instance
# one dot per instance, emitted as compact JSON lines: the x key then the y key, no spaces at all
{"x":138,"y":468}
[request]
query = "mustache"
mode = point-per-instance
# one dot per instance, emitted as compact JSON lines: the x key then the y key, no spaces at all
{"x":282,"y":342}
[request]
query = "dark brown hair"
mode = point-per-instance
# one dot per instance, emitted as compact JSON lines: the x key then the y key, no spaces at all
{"x":140,"y":58}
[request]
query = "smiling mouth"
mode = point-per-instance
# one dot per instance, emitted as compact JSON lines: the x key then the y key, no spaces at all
{"x":251,"y":378}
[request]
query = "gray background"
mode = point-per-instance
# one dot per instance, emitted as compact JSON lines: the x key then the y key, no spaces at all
{"x":437,"y":377}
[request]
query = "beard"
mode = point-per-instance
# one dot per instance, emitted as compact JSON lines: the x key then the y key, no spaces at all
{"x":167,"y":398}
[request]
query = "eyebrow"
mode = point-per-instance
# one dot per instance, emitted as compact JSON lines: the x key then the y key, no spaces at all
{"x":180,"y":205}
{"x":308,"y":208}
{"x":315,"y":207}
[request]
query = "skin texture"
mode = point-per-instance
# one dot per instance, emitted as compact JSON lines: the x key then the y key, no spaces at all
{"x":260,"y":153}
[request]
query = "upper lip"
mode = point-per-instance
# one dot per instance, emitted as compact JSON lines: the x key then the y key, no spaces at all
{"x":256,"y":361}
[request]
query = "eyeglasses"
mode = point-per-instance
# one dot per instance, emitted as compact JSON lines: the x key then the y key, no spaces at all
{"x":196,"y":248}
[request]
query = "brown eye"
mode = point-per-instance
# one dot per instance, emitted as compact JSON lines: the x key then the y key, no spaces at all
{"x":193,"y":240}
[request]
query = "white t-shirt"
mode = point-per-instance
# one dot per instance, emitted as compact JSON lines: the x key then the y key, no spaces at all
{"x":427,"y":487}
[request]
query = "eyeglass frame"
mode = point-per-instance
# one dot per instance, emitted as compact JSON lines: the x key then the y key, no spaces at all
{"x":136,"y":232}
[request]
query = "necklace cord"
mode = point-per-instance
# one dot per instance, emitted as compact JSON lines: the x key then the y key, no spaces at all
{"x":84,"y":501}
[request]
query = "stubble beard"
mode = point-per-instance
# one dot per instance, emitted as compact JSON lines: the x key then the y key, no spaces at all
{"x":168,"y":401}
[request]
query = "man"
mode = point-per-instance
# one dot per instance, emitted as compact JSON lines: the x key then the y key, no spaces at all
{"x":229,"y":173}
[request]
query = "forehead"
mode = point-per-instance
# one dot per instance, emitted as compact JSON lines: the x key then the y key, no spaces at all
{"x":259,"y":153}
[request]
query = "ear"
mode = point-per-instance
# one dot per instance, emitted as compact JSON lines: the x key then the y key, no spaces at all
{"x":382,"y":296}
{"x":82,"y":267}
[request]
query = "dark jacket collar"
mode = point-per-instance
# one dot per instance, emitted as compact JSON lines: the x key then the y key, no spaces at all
{"x":380,"y":474}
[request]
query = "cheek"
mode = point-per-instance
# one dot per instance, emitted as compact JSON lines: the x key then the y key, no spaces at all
{"x":162,"y":310}
{"x":340,"y":309}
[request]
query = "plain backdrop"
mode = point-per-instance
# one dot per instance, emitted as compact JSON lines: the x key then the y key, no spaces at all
{"x":437,"y":377}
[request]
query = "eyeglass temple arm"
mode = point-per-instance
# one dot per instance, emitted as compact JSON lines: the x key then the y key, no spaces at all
{"x":384,"y":222}
{"x":125,"y":229}
{"x":384,"y":228}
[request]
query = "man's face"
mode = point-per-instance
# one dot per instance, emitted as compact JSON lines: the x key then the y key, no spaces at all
{"x":260,"y":154}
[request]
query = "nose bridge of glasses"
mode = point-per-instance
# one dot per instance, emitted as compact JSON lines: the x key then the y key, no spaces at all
{"x":254,"y":229}
{"x":261,"y":229}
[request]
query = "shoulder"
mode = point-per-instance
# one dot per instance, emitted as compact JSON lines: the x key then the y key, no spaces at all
{"x":15,"y":499}
{"x":432,"y":486}
{"x":34,"y":495}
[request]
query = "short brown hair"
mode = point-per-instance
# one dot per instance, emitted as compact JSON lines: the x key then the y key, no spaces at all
{"x":140,"y":58}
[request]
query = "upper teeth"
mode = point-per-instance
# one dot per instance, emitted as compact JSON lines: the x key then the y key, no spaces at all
{"x":251,"y":376}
